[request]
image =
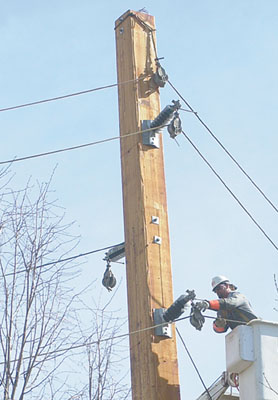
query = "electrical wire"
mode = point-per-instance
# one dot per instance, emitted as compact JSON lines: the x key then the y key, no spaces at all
{"x":227,"y":319}
{"x":85,"y":344}
{"x":33,"y":103}
{"x":78,"y":346}
{"x":230,"y":191}
{"x":193,"y":363}
{"x":80,"y":146}
{"x":224,"y":148}
{"x":62,"y":260}
{"x":215,"y":393}
{"x":184,"y":109}
{"x":145,"y":26}
{"x":154,"y":45}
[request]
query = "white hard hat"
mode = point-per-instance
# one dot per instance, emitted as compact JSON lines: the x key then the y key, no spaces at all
{"x":217,"y":280}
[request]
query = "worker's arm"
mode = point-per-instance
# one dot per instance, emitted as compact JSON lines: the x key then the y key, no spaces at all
{"x":211,"y":304}
{"x":233,"y":301}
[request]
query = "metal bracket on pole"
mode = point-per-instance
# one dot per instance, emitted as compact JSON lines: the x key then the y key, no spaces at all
{"x":161,"y":330}
{"x":150,"y":138}
{"x":115,"y":253}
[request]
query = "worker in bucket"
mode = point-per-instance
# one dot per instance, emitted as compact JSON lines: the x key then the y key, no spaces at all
{"x":232,"y":308}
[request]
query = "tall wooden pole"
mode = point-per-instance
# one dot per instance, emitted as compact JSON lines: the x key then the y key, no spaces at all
{"x":154,"y":368}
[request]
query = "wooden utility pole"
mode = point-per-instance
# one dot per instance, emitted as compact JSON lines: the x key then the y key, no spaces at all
{"x":154,"y":366}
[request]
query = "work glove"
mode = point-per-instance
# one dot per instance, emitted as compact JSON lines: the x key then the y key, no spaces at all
{"x":202,"y":305}
{"x":220,"y":323}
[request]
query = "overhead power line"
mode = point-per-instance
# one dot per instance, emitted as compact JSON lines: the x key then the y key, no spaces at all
{"x":63,"y":260}
{"x":230,"y":191}
{"x":91,"y":343}
{"x":224,"y":148}
{"x":193,"y":363}
{"x":65,"y":96}
{"x":48,"y":153}
{"x":88,"y":343}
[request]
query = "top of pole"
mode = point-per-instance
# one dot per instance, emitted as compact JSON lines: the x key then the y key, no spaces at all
{"x":144,"y":18}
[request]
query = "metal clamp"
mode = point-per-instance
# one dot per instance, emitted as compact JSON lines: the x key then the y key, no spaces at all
{"x":164,"y":329}
{"x":150,"y":138}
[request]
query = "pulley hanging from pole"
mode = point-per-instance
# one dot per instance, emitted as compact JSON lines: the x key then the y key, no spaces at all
{"x":109,"y":280}
{"x":113,"y":255}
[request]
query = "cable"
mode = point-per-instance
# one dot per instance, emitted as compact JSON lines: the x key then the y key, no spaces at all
{"x":193,"y":363}
{"x":144,"y":24}
{"x":154,"y":45}
{"x":33,"y":103}
{"x":230,"y":191}
{"x":80,"y":146}
{"x":225,"y":387}
{"x":62,"y":260}
{"x":224,"y":148}
{"x":184,"y":109}
{"x":227,"y":320}
{"x":77,"y":346}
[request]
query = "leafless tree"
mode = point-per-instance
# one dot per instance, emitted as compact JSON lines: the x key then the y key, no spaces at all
{"x":36,"y":306}
{"x":40,"y":312}
{"x":106,"y":355}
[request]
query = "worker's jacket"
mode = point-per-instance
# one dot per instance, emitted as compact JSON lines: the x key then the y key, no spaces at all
{"x":235,"y":308}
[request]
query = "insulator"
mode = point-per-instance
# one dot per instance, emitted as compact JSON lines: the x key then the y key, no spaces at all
{"x":160,"y":77}
{"x":177,"y":308}
{"x":165,"y":115}
{"x":174,"y":128}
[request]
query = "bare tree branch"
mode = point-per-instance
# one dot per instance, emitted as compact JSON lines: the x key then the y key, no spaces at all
{"x":36,"y":303}
{"x":40,"y":311}
{"x":276,"y":287}
{"x":267,"y":385}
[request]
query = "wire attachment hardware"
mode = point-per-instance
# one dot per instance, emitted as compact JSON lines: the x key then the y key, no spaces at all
{"x":178,"y":307}
{"x":164,"y":317}
{"x":160,"y":77}
{"x":162,"y":328}
{"x":175,"y":128}
{"x":151,"y":138}
{"x":112,"y":255}
{"x":166,"y":114}
{"x":109,"y":280}
{"x":115,"y":253}
{"x":196,"y":318}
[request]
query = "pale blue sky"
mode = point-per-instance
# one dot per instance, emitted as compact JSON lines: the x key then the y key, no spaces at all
{"x":222,"y":56}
